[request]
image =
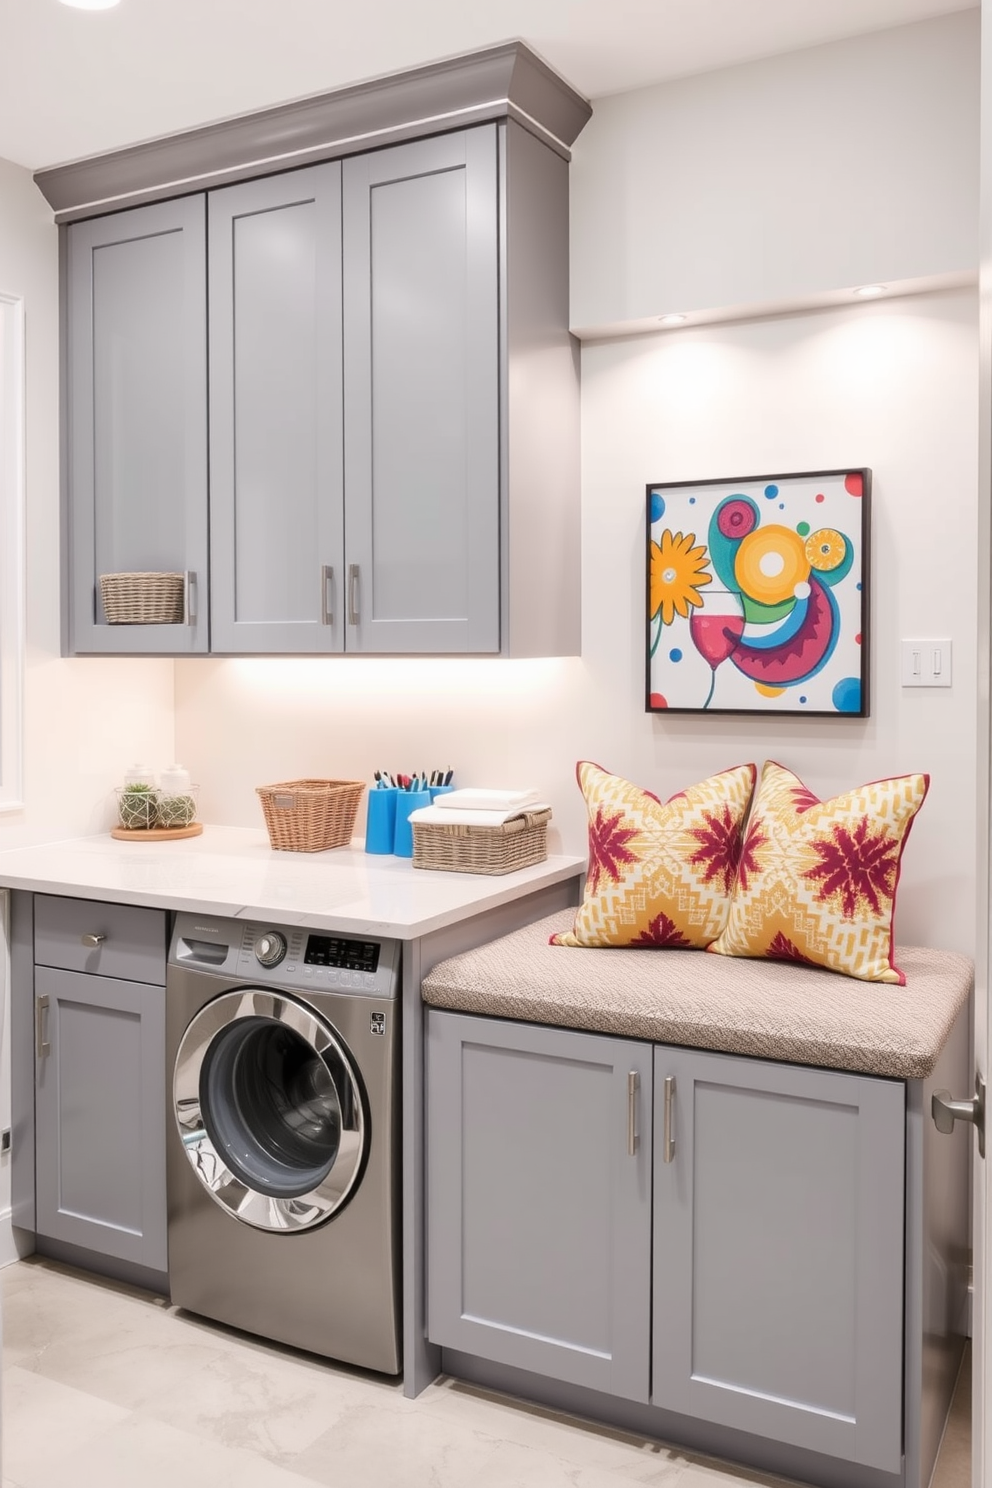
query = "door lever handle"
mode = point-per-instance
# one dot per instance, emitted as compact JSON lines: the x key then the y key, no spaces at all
{"x":946,"y":1111}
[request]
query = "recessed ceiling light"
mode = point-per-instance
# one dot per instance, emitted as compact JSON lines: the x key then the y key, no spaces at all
{"x":91,"y":4}
{"x":870,"y":291}
{"x":672,"y":319}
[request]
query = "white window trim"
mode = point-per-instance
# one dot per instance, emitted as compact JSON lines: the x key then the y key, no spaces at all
{"x":11,"y":551}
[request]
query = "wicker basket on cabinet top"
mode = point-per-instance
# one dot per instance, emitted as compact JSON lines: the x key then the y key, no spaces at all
{"x":310,"y":815}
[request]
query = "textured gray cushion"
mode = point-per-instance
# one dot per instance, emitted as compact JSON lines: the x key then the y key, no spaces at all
{"x":773,"y":1009}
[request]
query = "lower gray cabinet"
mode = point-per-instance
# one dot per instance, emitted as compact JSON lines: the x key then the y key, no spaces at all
{"x":778,"y":1252}
{"x":539,"y":1188}
{"x":100,"y":1091}
{"x":774,"y":1291}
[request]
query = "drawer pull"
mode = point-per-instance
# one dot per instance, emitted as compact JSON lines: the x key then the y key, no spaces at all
{"x":668,"y":1152}
{"x":633,"y":1081}
{"x":93,"y":941}
{"x":41,"y":1044}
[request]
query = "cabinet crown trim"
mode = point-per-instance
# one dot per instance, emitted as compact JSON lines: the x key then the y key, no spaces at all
{"x":504,"y":81}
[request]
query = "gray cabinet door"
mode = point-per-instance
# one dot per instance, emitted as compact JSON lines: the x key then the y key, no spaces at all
{"x":538,"y":1215}
{"x":422,"y":357}
{"x":137,"y":418}
{"x":276,"y":513}
{"x":778,"y":1252}
{"x":100,"y":1114}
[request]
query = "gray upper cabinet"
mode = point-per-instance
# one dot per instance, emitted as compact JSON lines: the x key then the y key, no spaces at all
{"x":421,"y":396}
{"x":276,"y":514}
{"x":783,"y":1200}
{"x":136,"y":364}
{"x":393,"y":389}
{"x":539,"y":1199}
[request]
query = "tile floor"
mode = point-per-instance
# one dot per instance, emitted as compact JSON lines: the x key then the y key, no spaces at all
{"x":107,"y":1387}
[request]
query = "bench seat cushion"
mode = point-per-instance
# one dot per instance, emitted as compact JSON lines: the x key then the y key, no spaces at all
{"x":770,"y":1009}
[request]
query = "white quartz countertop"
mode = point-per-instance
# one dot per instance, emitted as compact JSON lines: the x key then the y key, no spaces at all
{"x":234,"y":871}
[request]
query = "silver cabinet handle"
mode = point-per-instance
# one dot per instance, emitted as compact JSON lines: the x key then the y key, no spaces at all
{"x":41,"y":1044}
{"x":668,"y":1152}
{"x":946,"y":1111}
{"x":93,"y":941}
{"x":326,"y":602}
{"x":633,"y":1081}
{"x":352,"y":593}
{"x":189,"y":598}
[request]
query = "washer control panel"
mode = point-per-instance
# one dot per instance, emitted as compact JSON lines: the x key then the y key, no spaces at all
{"x":287,"y":955}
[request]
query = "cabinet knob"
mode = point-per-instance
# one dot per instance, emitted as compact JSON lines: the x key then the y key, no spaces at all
{"x":93,"y":941}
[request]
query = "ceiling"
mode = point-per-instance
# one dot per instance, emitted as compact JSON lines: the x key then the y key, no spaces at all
{"x":75,"y":83}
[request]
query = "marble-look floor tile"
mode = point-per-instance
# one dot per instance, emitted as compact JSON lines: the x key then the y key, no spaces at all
{"x":271,"y":1404}
{"x":43,"y":1420}
{"x":373,"y":1448}
{"x":139,"y":1451}
{"x":637,"y":1459}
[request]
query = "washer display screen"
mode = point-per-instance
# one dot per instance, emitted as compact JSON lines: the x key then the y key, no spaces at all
{"x":349,"y":955}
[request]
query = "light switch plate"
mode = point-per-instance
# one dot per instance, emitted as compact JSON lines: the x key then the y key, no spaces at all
{"x":926,"y":663}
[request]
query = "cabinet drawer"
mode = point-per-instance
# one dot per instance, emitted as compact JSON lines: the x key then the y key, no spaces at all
{"x":130,"y":940}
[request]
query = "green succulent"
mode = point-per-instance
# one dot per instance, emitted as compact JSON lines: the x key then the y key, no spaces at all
{"x":137,"y":807}
{"x":176,"y":811}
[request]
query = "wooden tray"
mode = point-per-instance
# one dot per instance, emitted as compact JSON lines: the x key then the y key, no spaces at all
{"x":156,"y":834}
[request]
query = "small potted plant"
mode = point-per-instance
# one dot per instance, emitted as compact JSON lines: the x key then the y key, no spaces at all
{"x":137,"y":807}
{"x":177,"y":810}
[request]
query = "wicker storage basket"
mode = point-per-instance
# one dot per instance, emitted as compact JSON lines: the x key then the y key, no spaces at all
{"x":456,"y":849}
{"x":310,"y":815}
{"x":142,"y":598}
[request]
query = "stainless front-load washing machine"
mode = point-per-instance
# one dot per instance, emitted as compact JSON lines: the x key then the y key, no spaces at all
{"x":283,"y":1165}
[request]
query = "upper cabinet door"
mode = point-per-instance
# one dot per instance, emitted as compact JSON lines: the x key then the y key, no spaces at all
{"x":421,"y":330}
{"x":276,"y":515}
{"x":137,"y":419}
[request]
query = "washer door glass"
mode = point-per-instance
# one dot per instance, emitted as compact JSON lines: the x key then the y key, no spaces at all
{"x":269,"y":1110}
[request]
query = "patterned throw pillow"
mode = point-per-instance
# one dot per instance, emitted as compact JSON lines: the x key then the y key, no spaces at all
{"x":817,"y":879}
{"x":660,"y":873}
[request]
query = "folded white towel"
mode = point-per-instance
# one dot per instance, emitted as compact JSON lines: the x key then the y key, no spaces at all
{"x":448,"y":818}
{"x":478,"y":799}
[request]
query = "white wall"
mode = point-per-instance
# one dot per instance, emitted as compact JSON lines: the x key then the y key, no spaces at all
{"x":84,"y":720}
{"x":771,"y":182}
{"x":891,"y":385}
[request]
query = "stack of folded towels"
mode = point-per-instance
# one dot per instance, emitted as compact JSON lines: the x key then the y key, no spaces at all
{"x":476,"y":807}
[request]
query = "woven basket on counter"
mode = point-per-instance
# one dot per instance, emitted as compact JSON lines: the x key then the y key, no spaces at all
{"x":456,"y":849}
{"x":310,"y":815}
{"x":142,"y":598}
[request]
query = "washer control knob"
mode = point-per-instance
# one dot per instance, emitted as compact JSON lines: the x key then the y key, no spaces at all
{"x":270,"y":948}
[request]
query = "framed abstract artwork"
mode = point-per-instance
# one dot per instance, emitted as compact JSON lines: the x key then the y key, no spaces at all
{"x":757,"y":594}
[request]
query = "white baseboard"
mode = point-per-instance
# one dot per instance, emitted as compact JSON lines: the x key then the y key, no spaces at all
{"x":15,"y":1243}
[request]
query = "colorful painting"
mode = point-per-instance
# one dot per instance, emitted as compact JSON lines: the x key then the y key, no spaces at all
{"x":758,"y":595}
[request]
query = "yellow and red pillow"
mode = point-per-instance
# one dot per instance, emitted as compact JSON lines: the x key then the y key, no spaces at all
{"x":660,"y":873}
{"x":817,"y":879}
